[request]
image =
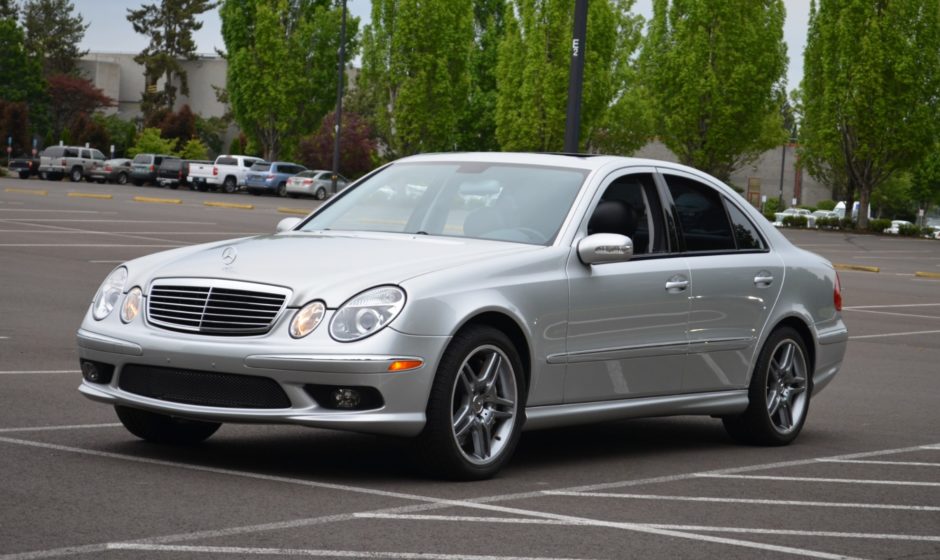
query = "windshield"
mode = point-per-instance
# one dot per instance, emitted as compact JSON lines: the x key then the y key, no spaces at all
{"x":522,"y":203}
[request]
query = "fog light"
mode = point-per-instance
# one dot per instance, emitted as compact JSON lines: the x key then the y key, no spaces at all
{"x":346,"y":398}
{"x":97,"y":372}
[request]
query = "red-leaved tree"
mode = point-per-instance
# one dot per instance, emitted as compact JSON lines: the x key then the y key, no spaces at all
{"x":70,"y":97}
{"x":357,"y":146}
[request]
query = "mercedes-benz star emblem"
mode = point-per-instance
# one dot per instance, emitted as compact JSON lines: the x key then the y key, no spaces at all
{"x":229,"y":254}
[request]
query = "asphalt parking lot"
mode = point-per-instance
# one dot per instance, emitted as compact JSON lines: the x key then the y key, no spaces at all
{"x":862,"y":481}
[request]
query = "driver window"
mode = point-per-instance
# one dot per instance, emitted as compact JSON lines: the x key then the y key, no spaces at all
{"x":630,"y":206}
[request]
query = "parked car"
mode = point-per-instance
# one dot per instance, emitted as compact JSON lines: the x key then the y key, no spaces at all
{"x":173,"y":172}
{"x":779,"y":216}
{"x":75,"y":162}
{"x":144,"y":168}
{"x":198,"y":172}
{"x":25,"y":167}
{"x":896,"y":226}
{"x":315,"y":183}
{"x":264,"y":177}
{"x":112,"y":171}
{"x":589,"y":289}
{"x":229,"y":172}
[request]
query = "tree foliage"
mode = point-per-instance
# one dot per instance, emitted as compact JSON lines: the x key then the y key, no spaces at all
{"x":714,"y":71}
{"x":179,"y":126}
{"x":211,"y":132}
{"x":416,"y":72}
{"x":170,"y":25}
{"x":194,"y":149}
{"x":71,"y":97}
{"x":53,"y":34}
{"x":477,"y":124}
{"x":870,"y":91}
{"x":532,"y":72}
{"x":121,"y":132}
{"x":149,"y":141}
{"x":282,"y":58}
{"x":357,"y":146}
{"x":84,"y":129}
{"x":9,"y":10}
{"x":20,"y":75}
{"x":925,"y":180}
{"x":14,"y":123}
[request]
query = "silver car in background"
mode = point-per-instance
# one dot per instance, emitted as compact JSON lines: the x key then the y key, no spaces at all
{"x":316,"y":183}
{"x":506,"y":291}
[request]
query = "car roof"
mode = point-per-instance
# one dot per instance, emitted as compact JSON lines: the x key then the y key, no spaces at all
{"x":575,"y":161}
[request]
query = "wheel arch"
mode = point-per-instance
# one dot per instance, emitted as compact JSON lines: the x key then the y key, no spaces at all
{"x":805,"y":332}
{"x":507,"y":325}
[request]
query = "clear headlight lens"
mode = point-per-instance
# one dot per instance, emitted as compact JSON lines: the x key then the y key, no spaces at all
{"x":108,"y":293}
{"x":307,"y":319}
{"x":367,"y":313}
{"x":132,"y":304}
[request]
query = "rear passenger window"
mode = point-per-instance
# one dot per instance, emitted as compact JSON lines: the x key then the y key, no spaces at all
{"x":745,"y":234}
{"x":71,"y":153}
{"x":702,"y":216}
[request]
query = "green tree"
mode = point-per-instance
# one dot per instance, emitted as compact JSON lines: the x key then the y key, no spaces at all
{"x":211,"y":132}
{"x":149,"y":141}
{"x":477,"y":124}
{"x":53,"y":34}
{"x":170,"y":25}
{"x":714,"y":70}
{"x":282,"y":67}
{"x":9,"y":10}
{"x":21,"y":79}
{"x":194,"y":149}
{"x":871,"y":89}
{"x":532,"y":72}
{"x":925,"y":180}
{"x":416,"y":72}
{"x":122,"y":133}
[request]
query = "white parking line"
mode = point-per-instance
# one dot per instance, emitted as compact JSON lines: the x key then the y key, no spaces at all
{"x":314,"y":553}
{"x":892,"y":306}
{"x":909,"y":333}
{"x":892,"y":463}
{"x":30,"y":372}
{"x":819,"y":479}
{"x":57,"y":428}
{"x":636,"y":527}
{"x":895,"y":314}
{"x":709,"y":499}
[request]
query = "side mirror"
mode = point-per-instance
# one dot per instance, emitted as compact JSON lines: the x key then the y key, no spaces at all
{"x":287,"y":224}
{"x":603,"y":248}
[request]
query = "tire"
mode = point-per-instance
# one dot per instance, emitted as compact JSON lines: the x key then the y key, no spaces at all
{"x":173,"y":186}
{"x":160,"y":428}
{"x":122,"y":178}
{"x":476,"y":406}
{"x":255,"y":192}
{"x":100,"y":181}
{"x":229,"y":185}
{"x":320,"y":194}
{"x":293,"y":195}
{"x":282,"y":190}
{"x":779,"y":393}
{"x":138,"y":183}
{"x":76,"y":175}
{"x":24,"y":175}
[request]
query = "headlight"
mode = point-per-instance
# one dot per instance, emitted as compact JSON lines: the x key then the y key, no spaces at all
{"x":109,"y":292}
{"x":367,"y":313}
{"x":307,"y":319}
{"x":131,"y":307}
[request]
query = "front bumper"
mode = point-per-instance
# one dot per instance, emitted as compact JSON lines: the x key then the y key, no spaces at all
{"x":292,"y":364}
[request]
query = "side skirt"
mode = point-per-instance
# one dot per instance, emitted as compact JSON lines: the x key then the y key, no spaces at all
{"x":715,"y":404}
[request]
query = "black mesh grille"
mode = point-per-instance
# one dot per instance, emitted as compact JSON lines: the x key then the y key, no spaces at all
{"x":206,"y":388}
{"x":213,"y":310}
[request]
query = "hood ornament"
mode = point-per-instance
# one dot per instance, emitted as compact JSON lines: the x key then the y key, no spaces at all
{"x":229,"y":254}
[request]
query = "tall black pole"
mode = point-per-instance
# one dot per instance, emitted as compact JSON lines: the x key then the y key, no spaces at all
{"x":576,"y":77}
{"x":339,"y":97}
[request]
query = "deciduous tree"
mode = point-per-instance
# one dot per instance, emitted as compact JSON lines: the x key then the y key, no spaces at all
{"x":170,"y":25}
{"x":9,"y":10}
{"x":53,"y":34}
{"x":282,"y":67}
{"x":871,"y":89}
{"x":71,"y":97}
{"x":149,"y":141}
{"x":357,"y":146}
{"x":714,"y":70}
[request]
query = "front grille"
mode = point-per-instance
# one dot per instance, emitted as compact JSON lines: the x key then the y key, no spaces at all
{"x":212,"y":307}
{"x":205,"y":388}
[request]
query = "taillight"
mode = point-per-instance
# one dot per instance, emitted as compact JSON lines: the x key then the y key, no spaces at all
{"x":308,"y":181}
{"x":837,"y":293}
{"x":63,"y":163}
{"x":215,"y":171}
{"x":107,"y":168}
{"x":269,"y":177}
{"x":180,"y":174}
{"x":151,"y":169}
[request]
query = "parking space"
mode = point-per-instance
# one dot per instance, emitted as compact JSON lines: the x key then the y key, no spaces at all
{"x":862,"y":481}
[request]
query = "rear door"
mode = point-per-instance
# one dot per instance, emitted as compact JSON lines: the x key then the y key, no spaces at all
{"x":735,"y":281}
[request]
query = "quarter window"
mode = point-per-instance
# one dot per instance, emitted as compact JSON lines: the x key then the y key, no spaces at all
{"x":702,"y":216}
{"x":745,"y":234}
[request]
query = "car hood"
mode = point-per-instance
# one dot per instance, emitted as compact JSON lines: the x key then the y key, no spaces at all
{"x":329,"y":266}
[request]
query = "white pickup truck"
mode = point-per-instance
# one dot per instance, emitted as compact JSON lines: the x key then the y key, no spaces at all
{"x":226,"y":173}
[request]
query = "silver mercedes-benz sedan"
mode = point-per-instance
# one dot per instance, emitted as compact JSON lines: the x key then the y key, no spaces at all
{"x":462,"y":298}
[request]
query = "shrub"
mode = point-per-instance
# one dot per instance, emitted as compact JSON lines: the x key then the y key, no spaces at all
{"x":910,"y":230}
{"x":194,"y":149}
{"x":829,"y":223}
{"x":878,"y":225}
{"x":826,"y":205}
{"x":807,"y":207}
{"x":846,"y":223}
{"x":795,"y":221}
{"x":771,"y":207}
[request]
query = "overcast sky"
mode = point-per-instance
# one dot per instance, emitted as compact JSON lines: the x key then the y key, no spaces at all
{"x":110,"y":31}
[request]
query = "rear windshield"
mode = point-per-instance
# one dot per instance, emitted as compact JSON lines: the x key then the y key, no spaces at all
{"x":261,"y":167}
{"x":53,"y":152}
{"x":226,"y":161}
{"x":142,"y":158}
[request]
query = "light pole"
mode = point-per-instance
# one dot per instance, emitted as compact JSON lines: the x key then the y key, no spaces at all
{"x":339,"y":97}
{"x":576,"y":77}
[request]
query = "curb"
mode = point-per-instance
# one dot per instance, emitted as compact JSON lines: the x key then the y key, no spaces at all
{"x":158,"y":200}
{"x":857,"y":267}
{"x":26,"y":191}
{"x":91,"y":195}
{"x":229,"y":205}
{"x":927,"y":275}
{"x":299,"y":211}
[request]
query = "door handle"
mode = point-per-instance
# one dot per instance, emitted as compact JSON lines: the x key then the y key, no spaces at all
{"x":676,"y":284}
{"x":763,"y":279}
